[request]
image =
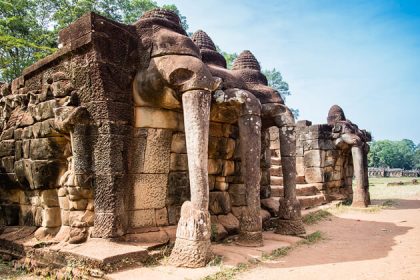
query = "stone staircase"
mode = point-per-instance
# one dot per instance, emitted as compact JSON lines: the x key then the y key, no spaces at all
{"x":308,"y":194}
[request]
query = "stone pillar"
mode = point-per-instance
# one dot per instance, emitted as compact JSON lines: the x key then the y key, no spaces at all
{"x":360,"y":198}
{"x":250,"y":228}
{"x":366,"y":172}
{"x":192,"y":245}
{"x":290,"y":221}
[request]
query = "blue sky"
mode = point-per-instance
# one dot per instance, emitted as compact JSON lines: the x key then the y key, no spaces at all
{"x":361,"y":55}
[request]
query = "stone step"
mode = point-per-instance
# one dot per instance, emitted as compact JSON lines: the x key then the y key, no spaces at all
{"x":311,"y":201}
{"x":301,"y":190}
{"x":275,"y":170}
{"x":275,"y":160}
{"x":277,"y":191}
{"x":276,"y":180}
{"x":300,"y":180}
{"x":306,"y":190}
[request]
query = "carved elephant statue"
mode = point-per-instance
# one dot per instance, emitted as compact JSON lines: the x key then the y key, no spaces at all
{"x":347,"y":135}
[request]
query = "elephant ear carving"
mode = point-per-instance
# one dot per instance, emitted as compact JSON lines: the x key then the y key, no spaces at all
{"x":180,"y":76}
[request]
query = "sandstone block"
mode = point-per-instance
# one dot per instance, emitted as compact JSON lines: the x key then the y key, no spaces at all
{"x":314,"y":175}
{"x":65,"y":217}
{"x":150,"y":191}
{"x":136,"y":158}
{"x":7,"y":134}
{"x":157,"y":152}
{"x":80,"y":204}
{"x":212,"y":182}
{"x":45,"y":129}
{"x":228,"y":168}
{"x":219,"y":203}
{"x":44,"y":110}
{"x":178,"y":144}
{"x":161,"y":217}
{"x":218,"y":232}
{"x":221,"y":186}
{"x":179,"y":162}
{"x":265,"y":215}
{"x":300,"y":166}
{"x":17,"y":133}
{"x":174,"y":213}
{"x":229,"y":222}
{"x":215,"y":166}
{"x":178,"y":188}
{"x":51,"y":217}
{"x":8,"y":164}
{"x":49,"y":198}
{"x":26,"y":144}
{"x":49,"y":148}
{"x":64,"y":202}
{"x":7,"y":148}
{"x":88,"y":217}
{"x":158,"y":118}
{"x":314,"y":158}
{"x":18,"y":149}
{"x":216,"y":129}
{"x":271,"y":205}
{"x":75,"y":216}
{"x":143,"y":218}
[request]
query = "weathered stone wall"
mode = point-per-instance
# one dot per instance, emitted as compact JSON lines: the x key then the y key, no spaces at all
{"x":392,"y":172}
{"x":321,"y":163}
{"x":159,"y":169}
{"x":318,"y":162}
{"x":92,"y":69}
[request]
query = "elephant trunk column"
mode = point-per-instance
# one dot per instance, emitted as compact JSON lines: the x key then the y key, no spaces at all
{"x":192,"y":245}
{"x":250,"y":232}
{"x":290,"y":220}
{"x":360,"y":197}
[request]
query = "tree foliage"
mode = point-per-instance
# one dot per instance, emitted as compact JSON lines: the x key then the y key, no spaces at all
{"x":394,"y":154}
{"x":29,"y":28}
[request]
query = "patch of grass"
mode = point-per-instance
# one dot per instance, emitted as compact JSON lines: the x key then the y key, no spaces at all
{"x":275,"y":254}
{"x":228,"y":273}
{"x":388,"y":203}
{"x":8,"y":272}
{"x":160,"y":256}
{"x":216,"y":261}
{"x":315,"y":217}
{"x":313,"y":238}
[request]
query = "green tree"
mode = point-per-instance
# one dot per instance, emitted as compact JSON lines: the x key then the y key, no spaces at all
{"x":24,"y":35}
{"x":416,"y":159}
{"x":29,"y":28}
{"x":394,"y":154}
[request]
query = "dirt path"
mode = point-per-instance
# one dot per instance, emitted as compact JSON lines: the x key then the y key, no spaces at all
{"x":360,"y":245}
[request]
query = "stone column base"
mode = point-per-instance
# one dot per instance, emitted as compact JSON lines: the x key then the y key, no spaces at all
{"x":250,"y":239}
{"x":290,"y":227}
{"x":189,"y":253}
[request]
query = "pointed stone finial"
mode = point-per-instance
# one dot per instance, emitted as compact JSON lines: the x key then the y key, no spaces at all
{"x":164,"y":14}
{"x":160,"y":18}
{"x":335,"y":114}
{"x":203,"y":41}
{"x":246,"y":60}
{"x":208,"y":50}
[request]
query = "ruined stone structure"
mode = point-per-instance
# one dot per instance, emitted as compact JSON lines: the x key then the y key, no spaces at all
{"x":328,"y":156}
{"x":130,"y":129}
{"x":392,"y":172}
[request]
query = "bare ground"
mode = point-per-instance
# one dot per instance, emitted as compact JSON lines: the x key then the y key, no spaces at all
{"x":360,"y":245}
